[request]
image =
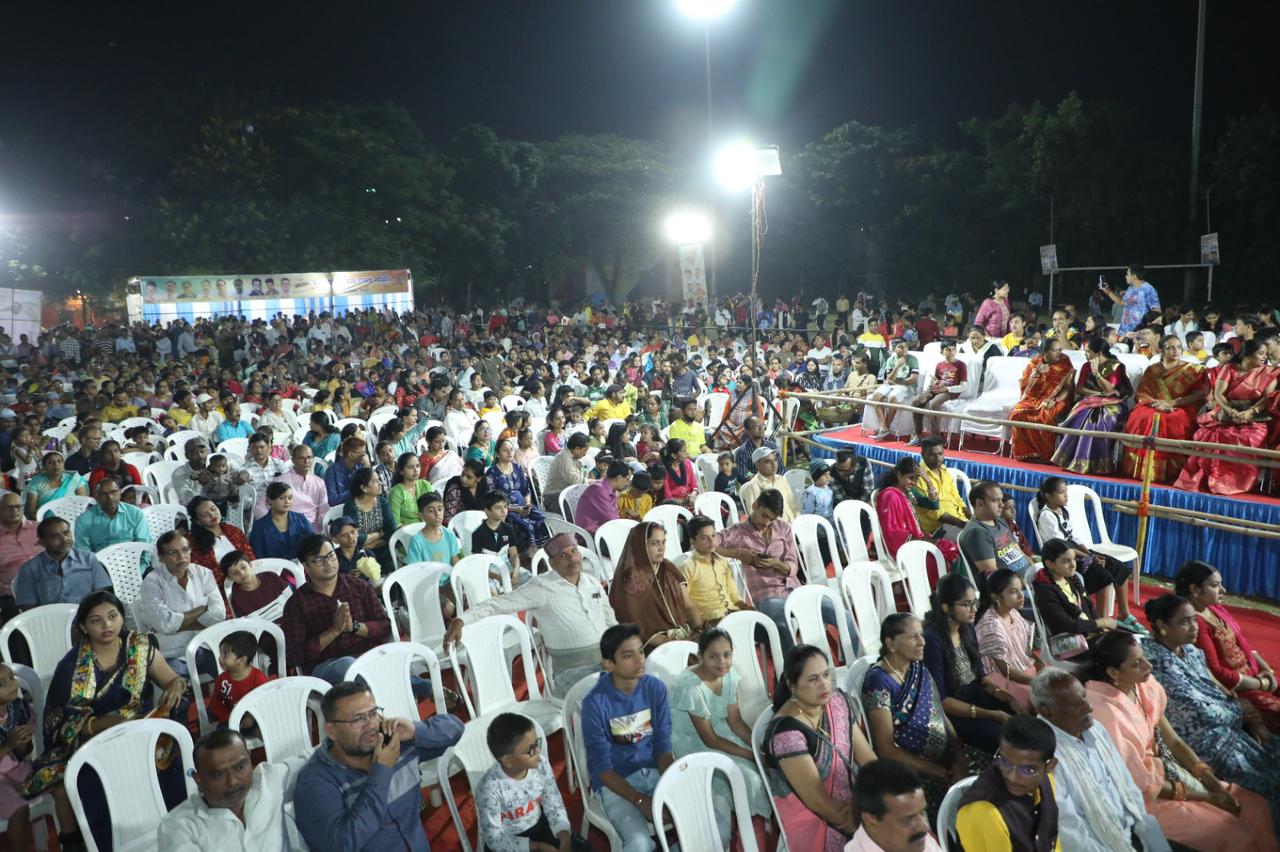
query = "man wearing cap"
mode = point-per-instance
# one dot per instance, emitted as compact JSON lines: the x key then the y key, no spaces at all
{"x":766,"y":462}
{"x":206,"y":419}
{"x":743,"y":466}
{"x":572,"y":609}
{"x":613,"y":407}
{"x":599,"y":503}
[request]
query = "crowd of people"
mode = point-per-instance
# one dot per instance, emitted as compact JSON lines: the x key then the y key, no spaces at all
{"x":315,"y":439}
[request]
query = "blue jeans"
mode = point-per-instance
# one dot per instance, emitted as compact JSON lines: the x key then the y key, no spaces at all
{"x":631,"y":824}
{"x":775,"y":610}
{"x":335,"y":671}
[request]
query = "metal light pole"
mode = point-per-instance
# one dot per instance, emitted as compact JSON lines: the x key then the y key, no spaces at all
{"x":1193,"y":194}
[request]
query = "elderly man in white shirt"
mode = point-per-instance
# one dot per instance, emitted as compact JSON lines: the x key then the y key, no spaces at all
{"x":177,"y":601}
{"x":571,"y":606}
{"x":238,"y":807}
{"x":1100,"y":808}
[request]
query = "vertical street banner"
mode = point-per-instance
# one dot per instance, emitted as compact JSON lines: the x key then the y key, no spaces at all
{"x":693,"y":274}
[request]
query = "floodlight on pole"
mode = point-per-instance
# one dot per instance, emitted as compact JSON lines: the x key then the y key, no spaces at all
{"x":704,"y":9}
{"x":687,"y":227}
{"x":740,"y":165}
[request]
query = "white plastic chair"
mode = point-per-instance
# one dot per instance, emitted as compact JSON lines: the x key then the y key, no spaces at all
{"x":803,"y":611}
{"x":178,"y":442}
{"x":469,"y":580}
{"x":123,"y":757}
{"x":47,"y":632}
{"x":463,"y":524}
{"x":419,"y":582}
{"x":273,"y":611}
{"x":799,"y":480}
{"x":538,"y":470}
{"x":1000,"y":393}
{"x":964,"y":395}
{"x":400,"y":542}
{"x":611,"y":539}
{"x":962,"y":483}
{"x":708,"y":466}
{"x":710,"y":504}
{"x":511,"y":402}
{"x":596,"y":566}
{"x":569,"y":498}
{"x":949,"y":810}
{"x":163,"y":518}
{"x":669,"y":517}
{"x":849,"y":515}
{"x":753,"y":690}
{"x":236,"y":446}
{"x":159,"y":475}
{"x":861,"y":584}
{"x":576,"y":750}
{"x":808,"y":532}
{"x":913,"y":561}
{"x":123,"y":562}
{"x":1084,"y":505}
{"x":68,"y":508}
{"x":280,"y":708}
{"x":211,"y":638}
{"x":558,"y":525}
{"x":489,"y":676}
{"x":669,"y":659}
{"x":853,"y":679}
{"x":684,"y":790}
{"x":380,"y":418}
{"x":471,"y":754}
{"x":757,"y":751}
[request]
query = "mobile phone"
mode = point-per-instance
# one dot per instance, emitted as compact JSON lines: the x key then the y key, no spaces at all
{"x":386,"y":738}
{"x":1102,"y":283}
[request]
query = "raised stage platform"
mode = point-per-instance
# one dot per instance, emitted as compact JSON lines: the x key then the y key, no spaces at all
{"x":1250,"y":565}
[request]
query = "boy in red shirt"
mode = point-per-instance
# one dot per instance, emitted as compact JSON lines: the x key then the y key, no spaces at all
{"x":239,"y":675}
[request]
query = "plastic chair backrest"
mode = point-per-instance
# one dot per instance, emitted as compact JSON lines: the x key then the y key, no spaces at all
{"x":713,"y":505}
{"x":611,"y":538}
{"x":538,"y":470}
{"x":803,"y":611}
{"x":469,"y":580}
{"x":754,"y":689}
{"x":707,"y":465}
{"x":400,"y":542}
{"x":853,"y":683}
{"x":757,"y":751}
{"x":1085,"y":508}
{"x":856,"y":586}
{"x":68,"y":508}
{"x":808,"y":532}
{"x":463,"y":525}
{"x":962,"y":483}
{"x":849,"y":515}
{"x":949,"y":810}
{"x":47,"y":632}
{"x":31,"y":684}
{"x":576,"y":751}
{"x":124,"y":759}
{"x":280,"y":708}
{"x":669,"y":516}
{"x":386,"y":670}
{"x":211,"y":638}
{"x":159,"y":475}
{"x":123,"y":562}
{"x":913,"y":561}
{"x":559,"y":525}
{"x":569,"y":498}
{"x":238,"y":446}
{"x":799,"y":480}
{"x":419,"y":582}
{"x":485,"y":645}
{"x":684,"y":791}
{"x":163,"y":518}
{"x":669,"y":659}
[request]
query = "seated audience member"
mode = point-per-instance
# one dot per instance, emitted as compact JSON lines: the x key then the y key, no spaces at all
{"x":18,"y":544}
{"x":237,"y":807}
{"x":705,"y":716}
{"x":352,"y":455}
{"x":407,"y":487}
{"x":1173,"y":389}
{"x":713,"y":591}
{"x":434,"y":542}
{"x":52,"y":483}
{"x":891,"y":810}
{"x":179,"y":601}
{"x":517,"y":801}
{"x":59,"y":573}
{"x":110,"y":521}
{"x":818,"y":495}
{"x":599,"y":502}
{"x":1012,"y":804}
{"x":904,"y":710}
{"x":508,"y":478}
{"x":1046,"y":386}
{"x":637,"y":500}
{"x":743,"y":466}
{"x":498,"y":536}
{"x":974,"y":702}
{"x":310,"y":497}
{"x":104,"y":680}
{"x":901,"y":371}
{"x":987,"y":541}
{"x":1103,"y":576}
{"x":626,"y":728}
{"x":1102,"y":393}
{"x":768,"y":479}
{"x":359,"y":790}
{"x":1227,"y":652}
{"x":369,"y":508}
{"x":1224,"y":730}
{"x":680,"y":479}
{"x":812,"y":750}
{"x":895,"y":509}
{"x":649,"y":591}
{"x":463,"y":492}
{"x":1182,"y":792}
{"x":1100,"y":808}
{"x":211,"y":539}
{"x":571,"y":607}
{"x":261,"y":467}
{"x":111,"y":465}
{"x":354,"y":560}
{"x":566,"y":469}
{"x":17,"y":732}
{"x":1009,"y":514}
{"x":851,"y":478}
{"x":254,"y":595}
{"x":688,"y":428}
{"x":239,"y":675}
{"x":1005,"y":636}
{"x":949,"y":375}
{"x":276,"y":535}
{"x":1060,"y":598}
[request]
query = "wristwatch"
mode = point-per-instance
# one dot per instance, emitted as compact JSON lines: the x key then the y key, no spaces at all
{"x":355,"y":626}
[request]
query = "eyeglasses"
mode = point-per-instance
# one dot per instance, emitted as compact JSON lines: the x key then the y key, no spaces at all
{"x":1027,"y":772}
{"x":973,"y":604}
{"x":360,"y":718}
{"x":533,"y":749}
{"x":331,"y":556}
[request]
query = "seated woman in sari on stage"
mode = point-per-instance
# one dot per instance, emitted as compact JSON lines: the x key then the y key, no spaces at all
{"x":1174,"y":389}
{"x":1046,"y":394}
{"x":1102,"y":389}
{"x":1241,"y":398}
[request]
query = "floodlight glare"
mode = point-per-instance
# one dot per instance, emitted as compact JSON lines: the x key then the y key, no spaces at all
{"x":687,"y":227}
{"x":704,"y":9}
{"x":739,"y":165}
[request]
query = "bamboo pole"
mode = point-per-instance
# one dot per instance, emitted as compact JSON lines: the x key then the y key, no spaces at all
{"x":1148,"y":456}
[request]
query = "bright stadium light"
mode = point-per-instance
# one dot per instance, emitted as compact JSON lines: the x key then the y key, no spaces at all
{"x":704,"y":9}
{"x":687,"y":227}
{"x":739,"y":165}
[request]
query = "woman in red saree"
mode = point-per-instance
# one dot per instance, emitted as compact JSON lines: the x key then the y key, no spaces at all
{"x":895,"y":509}
{"x":1102,"y":389}
{"x":1046,"y":394}
{"x":1241,"y":400}
{"x":1174,"y":389}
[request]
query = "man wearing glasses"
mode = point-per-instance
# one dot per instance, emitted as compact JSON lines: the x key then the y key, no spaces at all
{"x":360,"y":789}
{"x":177,"y":601}
{"x":310,"y":498}
{"x":1011,"y":805}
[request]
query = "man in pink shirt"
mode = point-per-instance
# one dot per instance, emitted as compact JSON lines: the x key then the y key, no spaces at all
{"x":599,"y":502}
{"x":18,"y":544}
{"x":310,"y":498}
{"x":889,"y":799}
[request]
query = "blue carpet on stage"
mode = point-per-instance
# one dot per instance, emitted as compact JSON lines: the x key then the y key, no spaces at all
{"x":1250,"y":565}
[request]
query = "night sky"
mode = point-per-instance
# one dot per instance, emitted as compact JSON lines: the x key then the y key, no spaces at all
{"x":783,"y":72}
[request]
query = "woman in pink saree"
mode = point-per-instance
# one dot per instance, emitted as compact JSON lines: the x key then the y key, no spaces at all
{"x":895,"y":508}
{"x":1241,"y":398}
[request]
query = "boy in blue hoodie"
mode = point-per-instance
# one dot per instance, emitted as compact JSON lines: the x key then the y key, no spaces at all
{"x":626,"y":725}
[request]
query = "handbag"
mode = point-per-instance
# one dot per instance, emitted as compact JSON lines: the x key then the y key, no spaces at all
{"x":1064,"y":646}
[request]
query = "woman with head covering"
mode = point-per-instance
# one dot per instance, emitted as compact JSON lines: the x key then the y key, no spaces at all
{"x":650,"y":592}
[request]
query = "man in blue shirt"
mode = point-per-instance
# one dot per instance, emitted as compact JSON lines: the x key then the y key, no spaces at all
{"x":110,"y":521}
{"x":59,"y":574}
{"x":1138,"y":300}
{"x":337,"y":479}
{"x":626,"y":725}
{"x":360,"y":789}
{"x":233,"y":426}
